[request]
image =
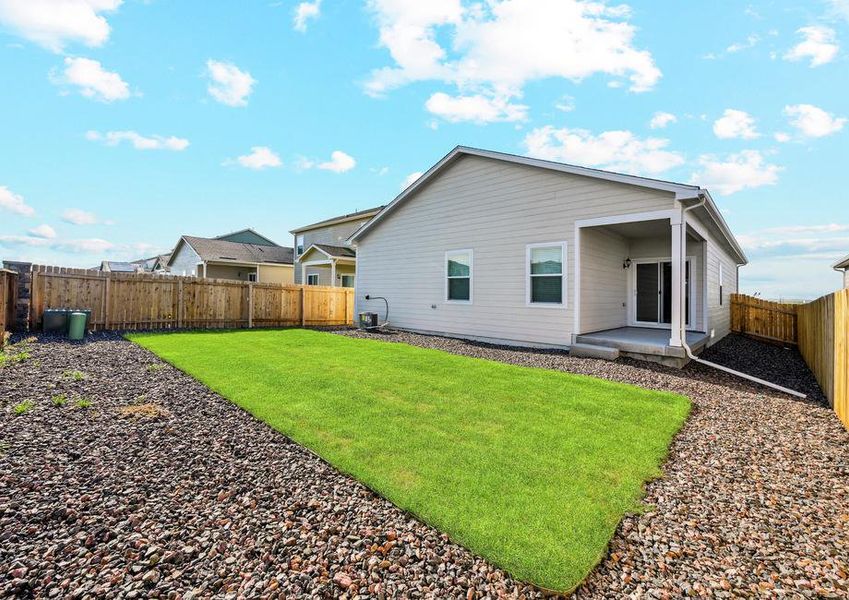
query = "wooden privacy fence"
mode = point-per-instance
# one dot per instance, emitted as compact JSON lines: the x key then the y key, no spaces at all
{"x":147,"y":301}
{"x":820,"y":329}
{"x":8,"y":300}
{"x":824,"y":344}
{"x":774,"y":321}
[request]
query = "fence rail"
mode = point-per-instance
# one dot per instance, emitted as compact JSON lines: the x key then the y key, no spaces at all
{"x":8,"y":300}
{"x":147,"y":301}
{"x":774,"y":321}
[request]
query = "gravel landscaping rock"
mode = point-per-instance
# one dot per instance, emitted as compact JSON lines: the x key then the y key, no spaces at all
{"x":755,"y":496}
{"x":157,"y":487}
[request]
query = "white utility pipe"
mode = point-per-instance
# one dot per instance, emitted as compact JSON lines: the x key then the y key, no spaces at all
{"x":683,"y":328}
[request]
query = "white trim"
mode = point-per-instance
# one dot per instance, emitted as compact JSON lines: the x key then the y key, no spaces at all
{"x":632,"y":294}
{"x":310,"y":276}
{"x":471,"y":254}
{"x":327,"y":254}
{"x":576,"y":315}
{"x":563,"y":304}
{"x":672,"y":215}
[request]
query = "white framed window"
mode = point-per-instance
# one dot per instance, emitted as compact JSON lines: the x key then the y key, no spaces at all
{"x":458,"y":276}
{"x":312,"y":279}
{"x":347,"y":280}
{"x":251,"y":276}
{"x":299,"y":245}
{"x":546,"y":274}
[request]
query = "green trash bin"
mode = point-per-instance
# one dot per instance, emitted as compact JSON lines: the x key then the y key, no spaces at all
{"x":76,"y":330}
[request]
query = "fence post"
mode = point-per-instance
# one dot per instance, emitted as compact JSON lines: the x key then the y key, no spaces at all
{"x":180,"y":303}
{"x":250,"y":306}
{"x":106,"y":302}
{"x":303,"y":305}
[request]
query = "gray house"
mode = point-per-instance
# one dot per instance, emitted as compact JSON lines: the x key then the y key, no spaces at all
{"x":323,"y":255}
{"x":515,"y":250}
{"x":243,"y":255}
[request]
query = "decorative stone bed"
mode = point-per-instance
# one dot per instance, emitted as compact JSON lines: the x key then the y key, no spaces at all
{"x":144,"y":483}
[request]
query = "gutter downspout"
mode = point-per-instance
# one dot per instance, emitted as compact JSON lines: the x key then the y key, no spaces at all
{"x":683,"y":328}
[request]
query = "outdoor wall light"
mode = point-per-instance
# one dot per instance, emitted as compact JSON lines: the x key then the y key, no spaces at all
{"x":626,"y":264}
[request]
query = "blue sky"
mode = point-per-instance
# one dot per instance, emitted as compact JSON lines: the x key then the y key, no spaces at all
{"x":127,"y":124}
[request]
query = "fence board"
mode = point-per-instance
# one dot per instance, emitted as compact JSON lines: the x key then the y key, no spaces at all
{"x":8,"y":301}
{"x":125,"y":301}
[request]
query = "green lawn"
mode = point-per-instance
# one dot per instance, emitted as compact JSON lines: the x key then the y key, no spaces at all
{"x":532,"y":469}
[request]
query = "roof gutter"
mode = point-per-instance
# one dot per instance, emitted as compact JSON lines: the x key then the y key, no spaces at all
{"x":683,"y":329}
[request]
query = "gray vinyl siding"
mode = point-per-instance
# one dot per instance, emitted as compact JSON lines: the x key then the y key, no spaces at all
{"x":335,"y":235}
{"x":604,"y":283}
{"x":186,"y":261}
{"x":496,"y":209}
{"x":236,"y":272}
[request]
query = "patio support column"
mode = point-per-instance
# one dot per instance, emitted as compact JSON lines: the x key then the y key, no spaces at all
{"x":675,"y":334}
{"x":303,"y":274}
{"x":333,"y":273}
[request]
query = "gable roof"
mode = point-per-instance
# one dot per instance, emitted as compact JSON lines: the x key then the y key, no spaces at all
{"x":215,"y":250}
{"x":118,"y":266}
{"x":682,"y":191}
{"x":843,"y":263}
{"x":242,"y":235}
{"x":340,"y":219}
{"x":331,"y":251}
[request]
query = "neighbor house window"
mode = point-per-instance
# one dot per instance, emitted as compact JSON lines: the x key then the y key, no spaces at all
{"x":251,"y":276}
{"x":312,"y":279}
{"x":299,"y":245}
{"x":347,"y":281}
{"x":458,"y":276}
{"x":546,"y":273}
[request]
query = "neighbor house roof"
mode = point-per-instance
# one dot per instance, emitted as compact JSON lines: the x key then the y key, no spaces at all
{"x":682,"y":191}
{"x":340,"y":219}
{"x":843,"y":263}
{"x":118,"y":266}
{"x":221,"y":251}
{"x":247,"y":230}
{"x":333,"y":251}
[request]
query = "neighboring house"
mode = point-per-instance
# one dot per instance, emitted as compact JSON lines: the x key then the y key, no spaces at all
{"x":323,"y":255}
{"x":154,"y":264}
{"x":515,"y":250}
{"x":243,"y":255}
{"x":113,"y":266}
{"x":843,"y":265}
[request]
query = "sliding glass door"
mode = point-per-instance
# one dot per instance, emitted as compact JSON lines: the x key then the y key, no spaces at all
{"x":653,"y":285}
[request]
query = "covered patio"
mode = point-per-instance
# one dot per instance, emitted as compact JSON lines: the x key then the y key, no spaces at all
{"x":324,"y":264}
{"x":644,"y":341}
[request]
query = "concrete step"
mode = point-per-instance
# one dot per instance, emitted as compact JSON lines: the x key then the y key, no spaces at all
{"x":583,"y":350}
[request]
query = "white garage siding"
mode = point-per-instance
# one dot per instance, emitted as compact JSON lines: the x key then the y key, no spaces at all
{"x":494,"y":208}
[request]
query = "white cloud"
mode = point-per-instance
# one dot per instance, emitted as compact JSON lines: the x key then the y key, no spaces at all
{"x":781,"y":137}
{"x":840,"y":8}
{"x":735,"y":124}
{"x":139,"y":142}
{"x":565,"y":104}
{"x":304,"y":12}
{"x":92,"y":80}
{"x":339,"y":162}
{"x":499,"y":46}
{"x":261,"y":157}
{"x":84,"y":246}
{"x":44,"y":231}
{"x":812,"y":121}
{"x":410,"y":179}
{"x":79,"y":217}
{"x":230,"y":85}
{"x":614,"y":150}
{"x":53,"y":24}
{"x":661,"y":119}
{"x":477,"y":108}
{"x":751,"y":41}
{"x":819,"y":45}
{"x":740,"y":171}
{"x":13,"y":202}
